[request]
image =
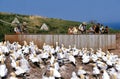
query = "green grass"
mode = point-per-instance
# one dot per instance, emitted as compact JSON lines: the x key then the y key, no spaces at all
{"x":56,"y":26}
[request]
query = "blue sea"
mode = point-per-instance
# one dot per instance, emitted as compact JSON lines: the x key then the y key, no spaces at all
{"x":115,"y":26}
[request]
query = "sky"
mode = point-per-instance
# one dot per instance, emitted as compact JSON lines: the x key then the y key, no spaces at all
{"x":103,"y":11}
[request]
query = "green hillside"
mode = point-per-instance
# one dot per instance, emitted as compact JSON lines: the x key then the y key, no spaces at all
{"x":34,"y":23}
{"x":56,"y":26}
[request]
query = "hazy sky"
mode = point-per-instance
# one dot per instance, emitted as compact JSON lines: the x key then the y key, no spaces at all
{"x":76,"y":10}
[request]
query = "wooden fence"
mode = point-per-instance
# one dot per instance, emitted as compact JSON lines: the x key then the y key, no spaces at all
{"x":81,"y":41}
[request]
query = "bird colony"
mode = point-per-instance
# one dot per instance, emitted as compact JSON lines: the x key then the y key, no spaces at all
{"x":16,"y":61}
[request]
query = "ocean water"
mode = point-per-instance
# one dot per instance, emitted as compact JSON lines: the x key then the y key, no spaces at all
{"x":115,"y":26}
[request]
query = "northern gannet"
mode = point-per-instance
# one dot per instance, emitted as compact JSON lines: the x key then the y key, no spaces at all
{"x":105,"y":75}
{"x":3,"y":69}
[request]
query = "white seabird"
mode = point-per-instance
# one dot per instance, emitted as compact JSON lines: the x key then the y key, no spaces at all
{"x":105,"y":75}
{"x":74,"y":76}
{"x":81,"y":71}
{"x":24,"y":64}
{"x":18,"y":69}
{"x":72,"y":58}
{"x":3,"y":69}
{"x":96,"y":71}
